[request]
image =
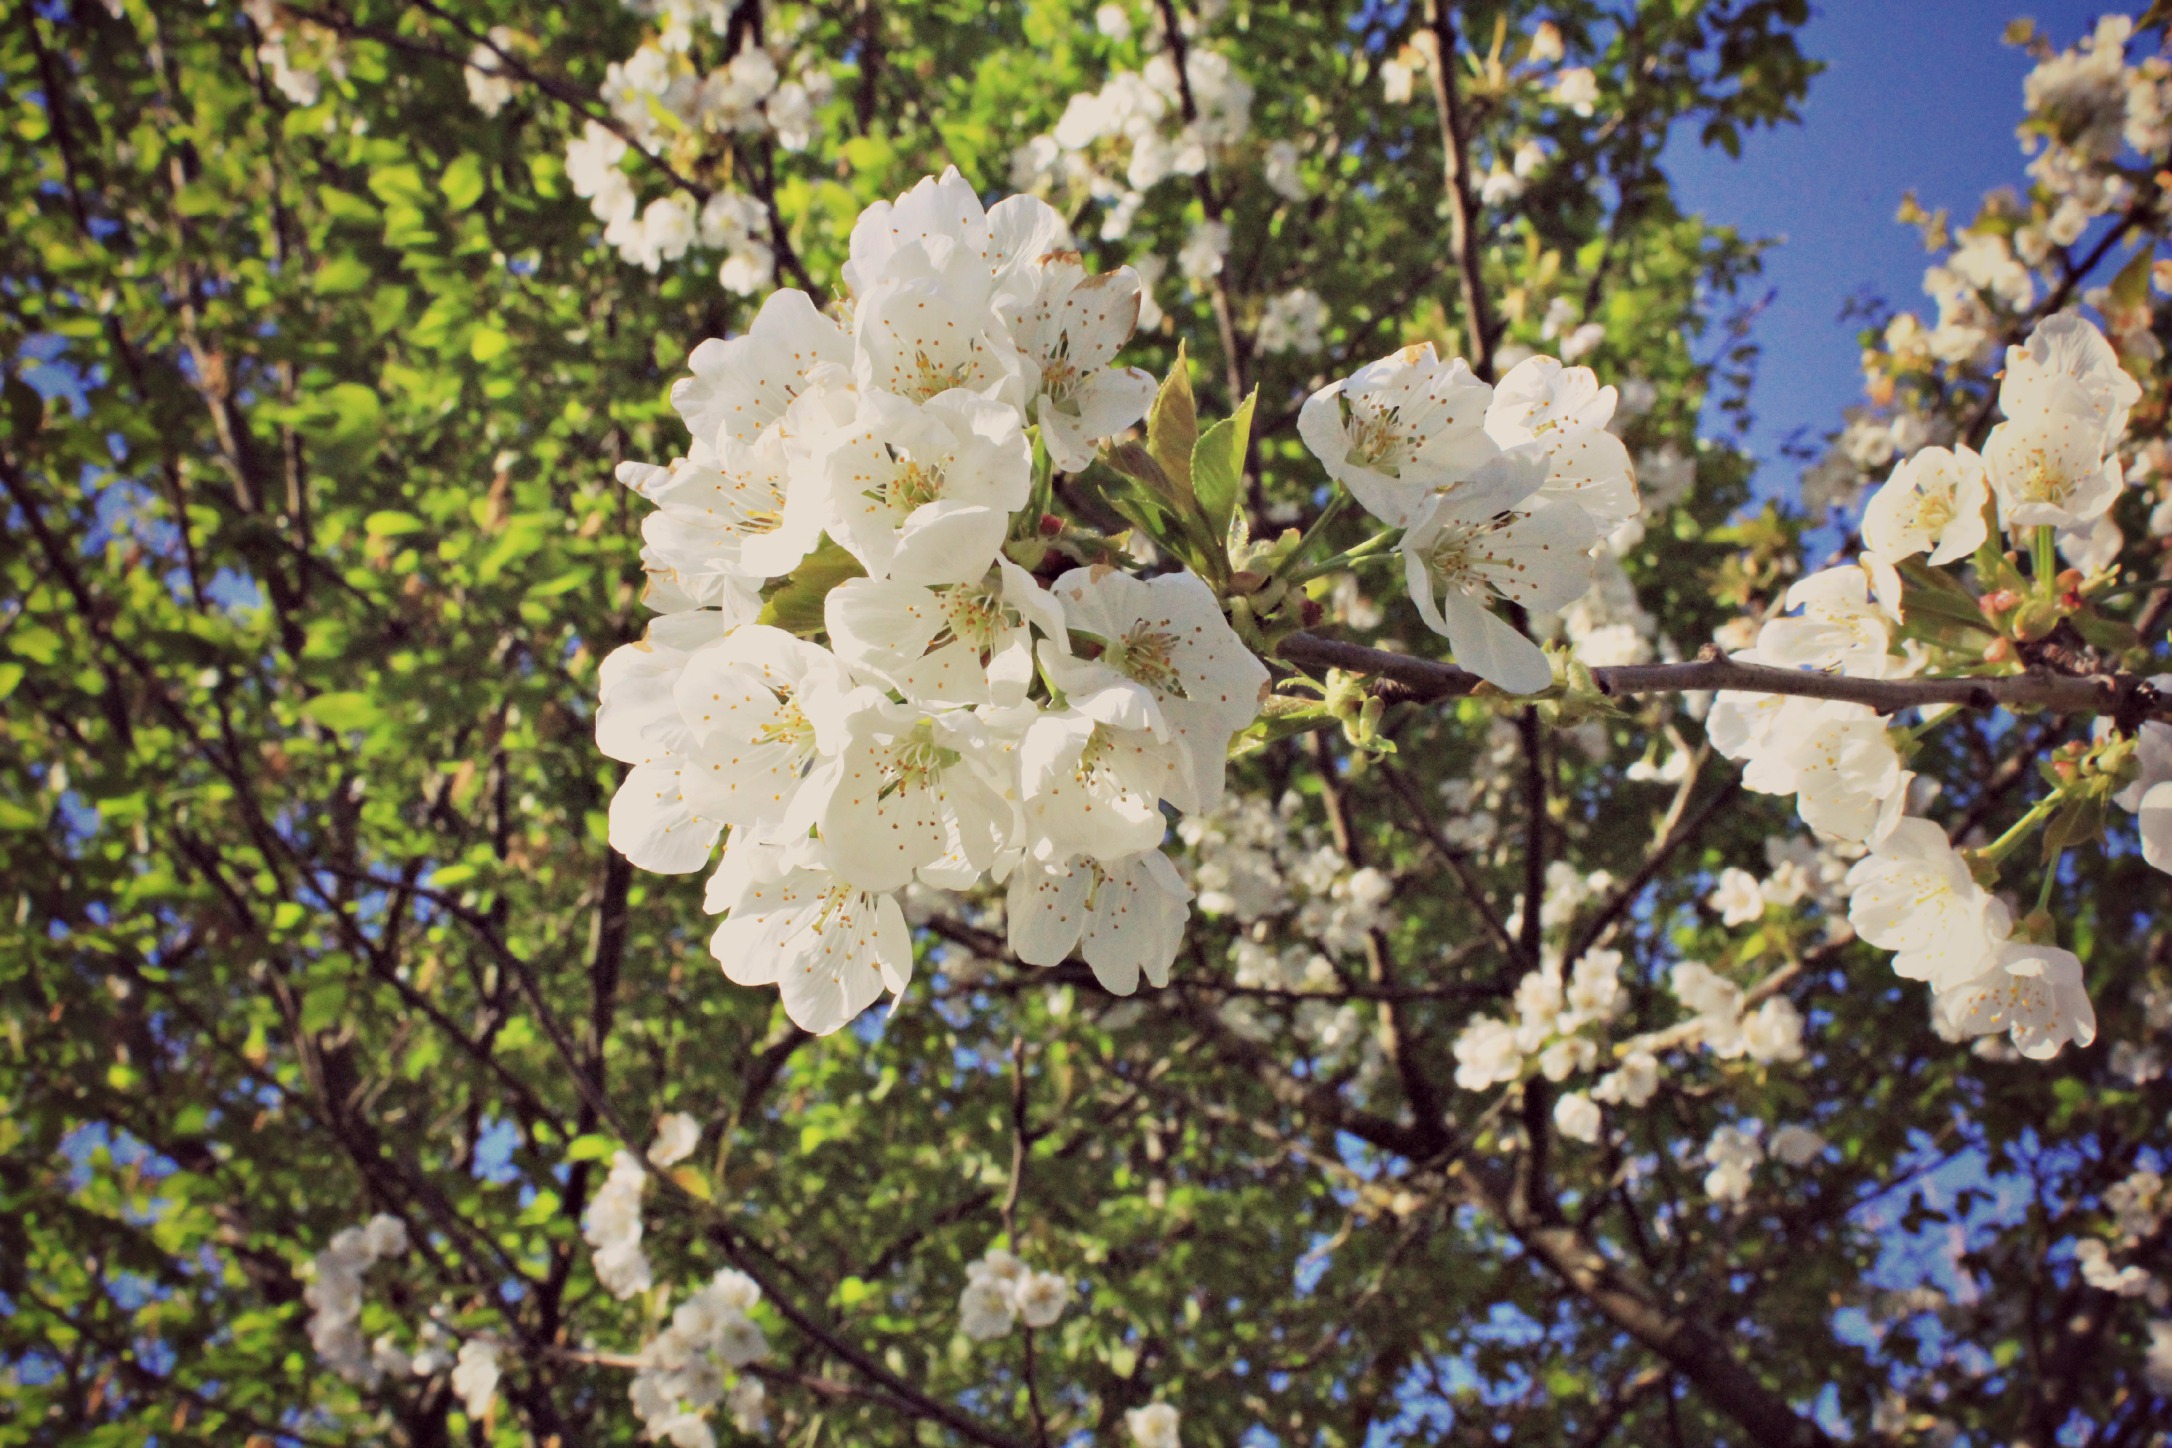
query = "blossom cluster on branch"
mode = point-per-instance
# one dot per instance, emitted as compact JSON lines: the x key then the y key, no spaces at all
{"x":966,"y":718}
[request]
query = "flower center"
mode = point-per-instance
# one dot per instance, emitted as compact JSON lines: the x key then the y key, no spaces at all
{"x":789,"y":725}
{"x":928,"y":377}
{"x":975,"y":616}
{"x":2045,"y":483}
{"x":915,"y":762}
{"x":1935,"y":510}
{"x":1145,"y":655}
{"x":911,"y":486}
{"x":752,"y":506}
{"x":1376,"y":440}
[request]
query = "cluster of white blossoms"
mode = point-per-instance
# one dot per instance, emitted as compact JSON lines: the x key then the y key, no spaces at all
{"x":1559,"y":1024}
{"x":1502,"y":493}
{"x":1799,"y":869}
{"x":1118,"y":143}
{"x":2052,"y":464}
{"x":962,"y":721}
{"x":1153,"y":1426}
{"x":2097,"y":124}
{"x":334,"y":1295}
{"x":614,"y":1228}
{"x":2049,"y":473}
{"x":2138,"y":1205}
{"x":1735,"y":1151}
{"x":1000,"y":1291}
{"x":491,"y":84}
{"x":682,"y":1372}
{"x":296,"y":53}
{"x":1560,"y":1029}
{"x":475,"y":1376}
{"x":2085,"y":105}
{"x":1720,"y":1022}
{"x":1293,"y":322}
{"x":666,"y":103}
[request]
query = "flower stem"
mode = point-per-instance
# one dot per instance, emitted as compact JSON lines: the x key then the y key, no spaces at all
{"x":2044,"y":557}
{"x":1318,"y":530}
{"x":1997,"y":851}
{"x":1370,"y":549}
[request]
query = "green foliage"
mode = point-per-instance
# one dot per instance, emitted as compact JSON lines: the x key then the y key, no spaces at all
{"x":311,"y":413}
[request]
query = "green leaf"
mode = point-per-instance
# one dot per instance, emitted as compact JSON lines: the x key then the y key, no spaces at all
{"x":596,"y":1146}
{"x":488,"y":344}
{"x":2077,"y":822}
{"x":342,"y":711}
{"x":357,"y":409}
{"x":391,"y":523}
{"x":1143,"y":468}
{"x":462,"y":182}
{"x":1217,"y":468}
{"x":343,"y":274}
{"x":2112,"y":635}
{"x":323,"y":1005}
{"x":345,"y":205}
{"x":796,"y":605}
{"x":1172,"y":426}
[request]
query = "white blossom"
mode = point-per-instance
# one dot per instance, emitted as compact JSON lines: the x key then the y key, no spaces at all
{"x":2032,"y":991}
{"x":1577,"y":1117}
{"x":677,"y":1134}
{"x":1155,"y":1426}
{"x":1737,"y":898}
{"x":1732,"y":1153}
{"x":1914,"y":895}
{"x":1400,"y":429}
{"x":614,"y":1228}
{"x":1797,"y":1146}
{"x":1576,"y":89}
{"x":829,"y":947}
{"x":1497,"y":537}
{"x":475,"y":1376}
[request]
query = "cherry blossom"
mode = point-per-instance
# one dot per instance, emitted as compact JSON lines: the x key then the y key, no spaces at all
{"x":1168,"y":663}
{"x":923,"y":494}
{"x":830,"y":948}
{"x":1399,"y":429}
{"x":1565,"y":411}
{"x":2034,"y":992}
{"x":1497,"y":538}
{"x":1126,"y":917}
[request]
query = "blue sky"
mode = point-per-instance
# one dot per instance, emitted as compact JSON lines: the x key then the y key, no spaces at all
{"x":1917,"y":94}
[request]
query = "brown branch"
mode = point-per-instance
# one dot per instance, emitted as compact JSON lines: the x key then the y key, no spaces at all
{"x":1699,"y":1354}
{"x":1458,"y":863}
{"x":1399,"y":1039}
{"x":2126,"y":697}
{"x":1655,"y":860}
{"x":1456,"y":181}
{"x":1210,"y":203}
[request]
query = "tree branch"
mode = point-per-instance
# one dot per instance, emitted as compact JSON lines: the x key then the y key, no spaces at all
{"x":2128,"y":698}
{"x":1456,"y":180}
{"x":1699,"y":1354}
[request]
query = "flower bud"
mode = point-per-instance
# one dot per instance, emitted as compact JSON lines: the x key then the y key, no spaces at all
{"x":1998,"y":651}
{"x":2036,"y":620}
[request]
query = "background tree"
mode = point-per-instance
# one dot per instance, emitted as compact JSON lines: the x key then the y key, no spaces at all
{"x":326,"y":327}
